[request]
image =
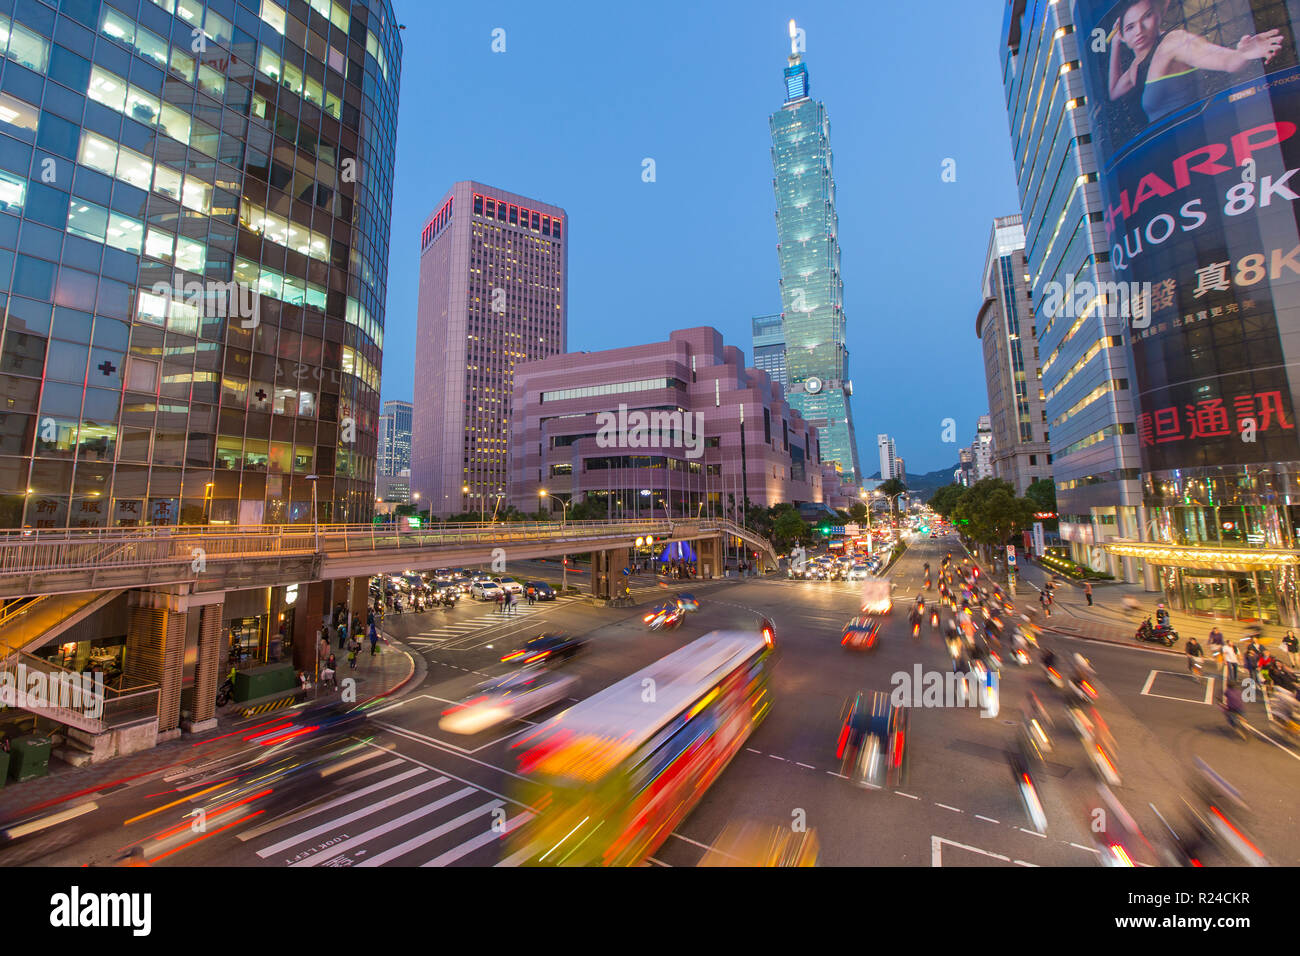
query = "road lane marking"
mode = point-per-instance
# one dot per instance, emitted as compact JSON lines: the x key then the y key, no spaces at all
{"x":775,"y":757}
{"x":428,"y":836}
{"x":989,"y":819}
{"x":808,"y":766}
{"x":946,"y":807}
{"x":35,"y":826}
{"x":1090,"y":849}
{"x":707,"y":848}
{"x":908,"y":795}
{"x":1032,"y":832}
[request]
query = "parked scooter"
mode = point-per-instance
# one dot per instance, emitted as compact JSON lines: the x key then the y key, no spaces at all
{"x":1156,"y":634}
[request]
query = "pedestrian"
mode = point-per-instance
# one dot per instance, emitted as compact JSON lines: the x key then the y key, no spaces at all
{"x":323,"y":649}
{"x":514,"y":603}
{"x":1292,"y":647}
{"x":501,"y":602}
{"x":343,"y":635}
{"x":532,"y":595}
{"x":1230,"y":662}
{"x":1250,"y":657}
{"x":374,"y":641}
{"x":353,"y":649}
{"x":1087,"y":592}
{"x":1193,"y":649}
{"x":327,"y":674}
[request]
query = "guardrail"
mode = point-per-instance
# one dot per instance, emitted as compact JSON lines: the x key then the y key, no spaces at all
{"x":34,"y":552}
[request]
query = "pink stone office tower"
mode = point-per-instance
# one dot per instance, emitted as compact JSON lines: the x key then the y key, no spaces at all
{"x":493,"y":294}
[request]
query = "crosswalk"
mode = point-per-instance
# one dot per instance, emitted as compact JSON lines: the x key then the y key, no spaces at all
{"x":392,"y":810}
{"x":473,"y":632}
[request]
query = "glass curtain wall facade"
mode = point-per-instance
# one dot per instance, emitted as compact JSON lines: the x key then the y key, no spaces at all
{"x":769,"y":347}
{"x":1082,"y":342}
{"x":395,"y":438}
{"x":194,"y":227}
{"x":1196,"y":172}
{"x":812,"y":289}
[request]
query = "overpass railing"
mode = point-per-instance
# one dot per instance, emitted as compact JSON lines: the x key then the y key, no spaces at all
{"x":33,"y":551}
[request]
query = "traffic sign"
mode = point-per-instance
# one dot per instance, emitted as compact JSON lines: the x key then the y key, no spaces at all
{"x":1011,"y":554}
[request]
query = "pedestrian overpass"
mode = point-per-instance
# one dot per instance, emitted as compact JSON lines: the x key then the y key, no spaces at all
{"x":172,"y":584}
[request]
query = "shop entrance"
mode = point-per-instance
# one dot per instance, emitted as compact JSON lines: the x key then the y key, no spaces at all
{"x":1230,"y":596}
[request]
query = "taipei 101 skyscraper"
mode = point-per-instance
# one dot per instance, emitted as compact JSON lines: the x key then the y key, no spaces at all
{"x":812,"y":290}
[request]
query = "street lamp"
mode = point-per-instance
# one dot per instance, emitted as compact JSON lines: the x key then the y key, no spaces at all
{"x":564,"y":516}
{"x":207,"y":503}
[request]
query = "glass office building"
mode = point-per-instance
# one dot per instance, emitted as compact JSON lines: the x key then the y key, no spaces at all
{"x":812,"y":290}
{"x":769,"y":347}
{"x":194,"y":227}
{"x":1082,"y":335}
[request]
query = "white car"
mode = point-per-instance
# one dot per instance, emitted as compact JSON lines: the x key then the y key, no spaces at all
{"x":858,"y":572}
{"x":509,"y":584}
{"x":503,"y":699}
{"x":485,"y":590}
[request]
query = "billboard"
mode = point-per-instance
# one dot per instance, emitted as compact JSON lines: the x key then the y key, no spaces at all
{"x":1194,"y":106}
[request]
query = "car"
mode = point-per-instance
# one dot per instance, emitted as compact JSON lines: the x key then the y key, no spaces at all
{"x":667,"y":616}
{"x":502,"y":699}
{"x":877,"y":597}
{"x":861,"y":633}
{"x":858,"y":572}
{"x":464,"y":585}
{"x":541,"y":591}
{"x":546,"y":649}
{"x":485,"y":590}
{"x":872,"y":746}
{"x":508,"y":584}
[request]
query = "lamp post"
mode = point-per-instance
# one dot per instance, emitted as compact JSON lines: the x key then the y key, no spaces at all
{"x":315,"y":515}
{"x":564,"y":520}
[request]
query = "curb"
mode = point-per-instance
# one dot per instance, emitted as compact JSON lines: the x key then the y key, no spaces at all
{"x":1139,"y":645}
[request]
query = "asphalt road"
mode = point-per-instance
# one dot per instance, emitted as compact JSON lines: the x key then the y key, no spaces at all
{"x":389,"y":787}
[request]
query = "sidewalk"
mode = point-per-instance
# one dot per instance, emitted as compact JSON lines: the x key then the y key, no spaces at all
{"x":1108,"y":620}
{"x":387,"y":673}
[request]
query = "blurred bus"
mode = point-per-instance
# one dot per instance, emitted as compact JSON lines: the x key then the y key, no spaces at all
{"x":755,"y":844}
{"x":623,"y":768}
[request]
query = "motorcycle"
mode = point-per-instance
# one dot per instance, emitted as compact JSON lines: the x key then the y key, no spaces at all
{"x":934,"y":619}
{"x":225,"y":691}
{"x":1162,"y":634}
{"x":1028,"y":792}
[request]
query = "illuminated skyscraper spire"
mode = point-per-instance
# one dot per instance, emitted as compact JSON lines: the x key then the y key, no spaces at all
{"x":812,"y":292}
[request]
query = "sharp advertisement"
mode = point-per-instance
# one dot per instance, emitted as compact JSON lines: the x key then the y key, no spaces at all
{"x":1194,"y":107}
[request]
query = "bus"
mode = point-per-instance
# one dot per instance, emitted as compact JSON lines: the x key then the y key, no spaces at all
{"x":623,"y":768}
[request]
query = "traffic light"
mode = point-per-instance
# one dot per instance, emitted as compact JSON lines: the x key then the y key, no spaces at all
{"x":825,"y":530}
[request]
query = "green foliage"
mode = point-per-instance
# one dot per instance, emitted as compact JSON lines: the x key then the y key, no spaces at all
{"x":858,"y":512}
{"x":1043,"y":494}
{"x":990,"y":512}
{"x":788,"y":529}
{"x":945,"y":499}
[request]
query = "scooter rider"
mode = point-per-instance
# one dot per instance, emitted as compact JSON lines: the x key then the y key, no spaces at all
{"x":1193,"y":651}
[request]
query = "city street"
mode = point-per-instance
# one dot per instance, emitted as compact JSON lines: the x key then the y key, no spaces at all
{"x":390,"y":787}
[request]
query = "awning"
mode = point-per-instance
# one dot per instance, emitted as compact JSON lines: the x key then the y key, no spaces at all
{"x":1205,"y":558}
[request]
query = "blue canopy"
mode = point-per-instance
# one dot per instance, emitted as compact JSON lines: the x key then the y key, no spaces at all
{"x":678,"y":551}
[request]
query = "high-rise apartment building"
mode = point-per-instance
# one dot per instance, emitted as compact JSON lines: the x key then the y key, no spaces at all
{"x":493,"y":294}
{"x":1005,"y":326}
{"x":194,"y":250}
{"x":812,"y":289}
{"x":888,"y":458}
{"x":982,"y":449}
{"x":395,"y":438}
{"x":1091,"y":413}
{"x":769,"y":347}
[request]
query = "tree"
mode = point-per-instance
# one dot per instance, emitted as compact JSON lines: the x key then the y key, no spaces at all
{"x":1043,"y":494}
{"x":990,"y":513}
{"x":858,"y":513}
{"x":892,"y":489}
{"x":945,"y":499}
{"x":789,"y":529}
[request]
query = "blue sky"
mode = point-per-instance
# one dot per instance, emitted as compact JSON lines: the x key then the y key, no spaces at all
{"x":579,"y":98}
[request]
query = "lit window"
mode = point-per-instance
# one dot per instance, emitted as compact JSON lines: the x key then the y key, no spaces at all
{"x":87,"y":220}
{"x":273,"y":14}
{"x":125,"y":233}
{"x":13,"y":190}
{"x":158,"y":244}
{"x":190,"y":255}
